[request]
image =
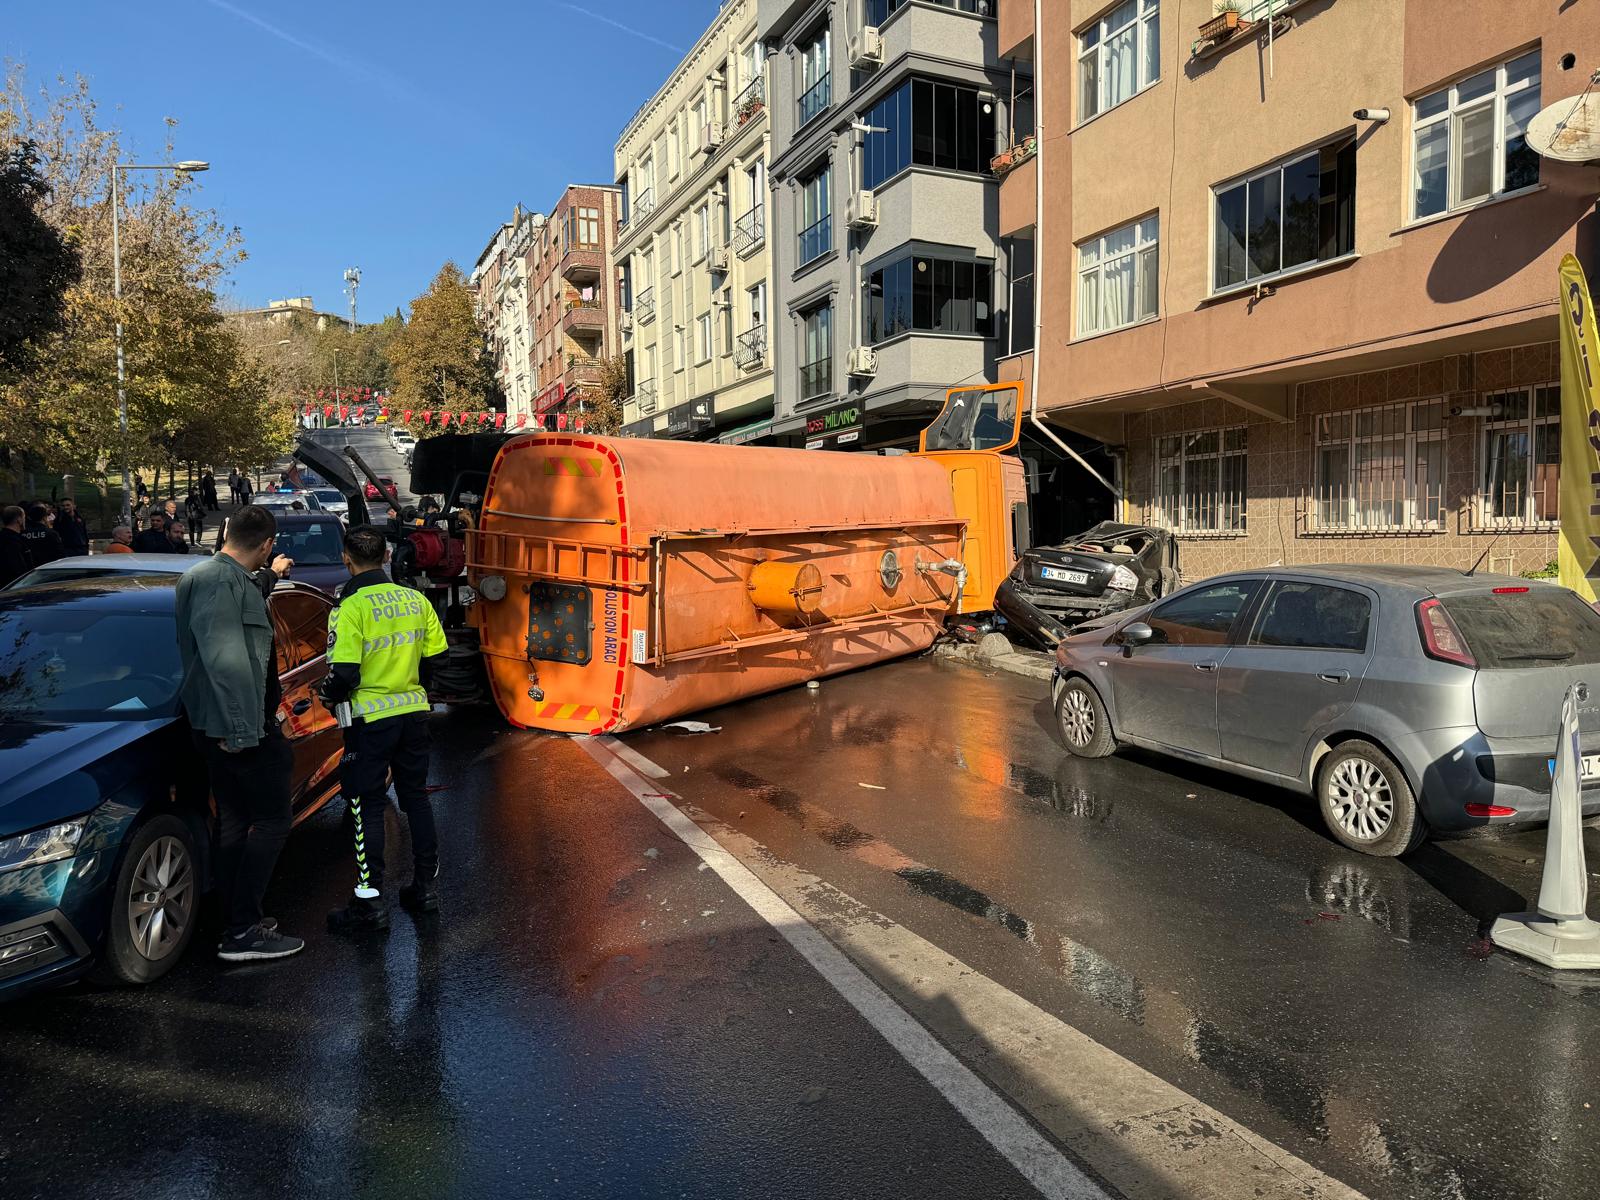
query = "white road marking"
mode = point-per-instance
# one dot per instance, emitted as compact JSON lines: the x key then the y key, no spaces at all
{"x":1034,"y":1156}
{"x":636,"y":760}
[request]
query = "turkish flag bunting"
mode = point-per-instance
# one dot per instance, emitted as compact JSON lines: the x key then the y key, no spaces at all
{"x":522,"y":419}
{"x":322,"y":394}
{"x":482,"y":418}
{"x":327,"y":411}
{"x":308,"y":410}
{"x":344,"y":412}
{"x":361,"y":412}
{"x":406,"y":416}
{"x":427,"y":417}
{"x":444,"y":419}
{"x":499,"y":420}
{"x":383,"y":411}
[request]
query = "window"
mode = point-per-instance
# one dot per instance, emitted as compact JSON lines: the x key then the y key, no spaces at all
{"x":814,"y":75}
{"x":671,"y":154}
{"x":1019,"y":316}
{"x":1201,"y":618}
{"x":681,"y":259}
{"x":702,"y":231}
{"x":752,"y":59}
{"x":588,"y":227}
{"x":1293,"y":213}
{"x":879,"y":11}
{"x":1469,"y":140}
{"x":929,"y":124}
{"x":816,"y":353}
{"x":698,"y":129}
{"x":932,"y":295}
{"x":1118,"y":277}
{"x":756,"y":298}
{"x":703,"y":338}
{"x":1521,"y":457}
{"x":1379,"y":469}
{"x":816,"y":217}
{"x":680,"y":348}
{"x":1200,"y":480}
{"x":1118,"y":56}
{"x":1313,"y":616}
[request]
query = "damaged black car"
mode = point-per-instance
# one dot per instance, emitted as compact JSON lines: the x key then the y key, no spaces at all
{"x":1103,"y":570}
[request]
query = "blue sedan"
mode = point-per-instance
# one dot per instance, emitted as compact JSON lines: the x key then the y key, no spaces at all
{"x":106,"y":824}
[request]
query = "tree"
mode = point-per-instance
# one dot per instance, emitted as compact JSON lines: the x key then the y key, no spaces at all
{"x":439,"y":359}
{"x":603,"y":407}
{"x":37,"y":261}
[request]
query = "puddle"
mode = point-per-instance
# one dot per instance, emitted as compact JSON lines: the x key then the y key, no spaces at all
{"x":932,"y":882}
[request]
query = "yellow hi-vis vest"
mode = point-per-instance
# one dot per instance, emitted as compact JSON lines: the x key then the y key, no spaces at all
{"x":387,"y":630}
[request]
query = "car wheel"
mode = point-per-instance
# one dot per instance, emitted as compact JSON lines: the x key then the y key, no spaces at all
{"x":1367,"y":803}
{"x":154,"y":904}
{"x":1083,"y":722}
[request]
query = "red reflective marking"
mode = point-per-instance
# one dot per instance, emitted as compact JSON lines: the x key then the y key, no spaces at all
{"x":1490,"y":810}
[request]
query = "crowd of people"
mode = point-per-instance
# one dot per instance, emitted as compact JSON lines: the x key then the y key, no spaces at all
{"x":36,"y":532}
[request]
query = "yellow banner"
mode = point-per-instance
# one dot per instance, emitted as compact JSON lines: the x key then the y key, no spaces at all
{"x":1580,"y":435}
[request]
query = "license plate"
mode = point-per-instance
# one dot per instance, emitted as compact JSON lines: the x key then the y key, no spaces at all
{"x":1589,"y":767}
{"x":1062,"y":575}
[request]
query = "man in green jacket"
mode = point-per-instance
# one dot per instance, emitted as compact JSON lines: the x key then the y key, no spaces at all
{"x":231,"y":696}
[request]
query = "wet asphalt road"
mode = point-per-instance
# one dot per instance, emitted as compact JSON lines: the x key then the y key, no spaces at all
{"x":590,"y":1015}
{"x":1347,"y":1008}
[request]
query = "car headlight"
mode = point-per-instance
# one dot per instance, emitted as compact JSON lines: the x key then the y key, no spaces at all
{"x":1123,"y":580}
{"x":41,"y":845}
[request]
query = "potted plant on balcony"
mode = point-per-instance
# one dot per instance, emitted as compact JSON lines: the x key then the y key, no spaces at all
{"x":1224,"y":24}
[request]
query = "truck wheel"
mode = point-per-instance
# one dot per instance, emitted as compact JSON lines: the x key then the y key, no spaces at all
{"x":1082,"y":720}
{"x":154,"y":904}
{"x":1367,"y":803}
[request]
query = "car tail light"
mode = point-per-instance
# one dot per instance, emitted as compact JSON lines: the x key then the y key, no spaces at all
{"x":1509,"y":591}
{"x":1440,"y":637}
{"x":1490,"y":810}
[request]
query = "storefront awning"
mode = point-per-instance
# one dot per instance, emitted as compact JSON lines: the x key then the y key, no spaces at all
{"x":747,"y":433}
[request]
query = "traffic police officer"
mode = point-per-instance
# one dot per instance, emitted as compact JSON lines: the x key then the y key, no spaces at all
{"x":382,"y":639}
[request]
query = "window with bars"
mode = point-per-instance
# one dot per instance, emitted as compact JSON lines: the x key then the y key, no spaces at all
{"x":1520,"y":459}
{"x":1200,"y":480}
{"x":1379,"y":469}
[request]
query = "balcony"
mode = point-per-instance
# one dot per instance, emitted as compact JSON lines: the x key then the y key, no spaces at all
{"x":750,"y":231}
{"x":644,"y":397}
{"x":643,"y":205}
{"x":751,"y":352}
{"x":583,"y":369}
{"x":750,"y":103}
{"x":816,"y":98}
{"x":644,"y":306}
{"x":583,"y":314}
{"x":583,"y":264}
{"x":816,"y":239}
{"x":1012,"y":157}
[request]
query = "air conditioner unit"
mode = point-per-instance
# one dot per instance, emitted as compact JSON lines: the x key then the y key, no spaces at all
{"x":717,"y":259}
{"x":867,"y":49}
{"x":862,"y":212}
{"x":863,"y":361}
{"x":710,"y":136}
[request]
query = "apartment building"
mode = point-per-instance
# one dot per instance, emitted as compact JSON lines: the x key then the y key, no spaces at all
{"x":1296,"y":265}
{"x":888,"y":276}
{"x":693,"y":161}
{"x":499,"y":281}
{"x":573,"y":305}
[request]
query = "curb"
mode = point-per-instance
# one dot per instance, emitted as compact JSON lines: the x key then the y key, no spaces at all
{"x":1029,"y":664}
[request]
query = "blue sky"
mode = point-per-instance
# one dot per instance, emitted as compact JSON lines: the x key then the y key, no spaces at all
{"x":386,"y":136}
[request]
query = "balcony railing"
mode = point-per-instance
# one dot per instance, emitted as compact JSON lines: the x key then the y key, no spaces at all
{"x":815,"y":99}
{"x":816,"y":379}
{"x":816,"y":239}
{"x":750,"y":230}
{"x":643,"y":204}
{"x":1013,"y":157}
{"x":644,"y":306}
{"x":583,"y":368}
{"x":644,"y":397}
{"x":751,"y":351}
{"x":751,"y":102}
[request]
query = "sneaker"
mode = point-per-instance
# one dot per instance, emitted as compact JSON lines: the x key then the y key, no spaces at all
{"x":359,"y":916}
{"x":420,"y":895}
{"x":270,"y":924}
{"x":259,"y":942}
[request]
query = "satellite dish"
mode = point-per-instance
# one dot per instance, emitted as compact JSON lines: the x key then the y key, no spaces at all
{"x":1568,"y":130}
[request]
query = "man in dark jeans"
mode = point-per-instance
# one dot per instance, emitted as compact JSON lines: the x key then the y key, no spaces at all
{"x":231,"y":696}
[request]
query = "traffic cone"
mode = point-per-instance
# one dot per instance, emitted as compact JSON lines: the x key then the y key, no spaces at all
{"x":1559,"y":933}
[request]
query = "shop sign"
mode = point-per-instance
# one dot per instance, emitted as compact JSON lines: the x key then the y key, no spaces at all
{"x":685,"y":419}
{"x":835,"y":420}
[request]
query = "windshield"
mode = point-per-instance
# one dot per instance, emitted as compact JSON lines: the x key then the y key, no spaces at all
{"x":317,"y":545}
{"x":58,"y":575}
{"x":1542,"y":627}
{"x":330,"y":496}
{"x":75,"y":663}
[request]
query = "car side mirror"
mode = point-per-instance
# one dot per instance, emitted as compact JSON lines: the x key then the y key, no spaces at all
{"x":1136,"y":634}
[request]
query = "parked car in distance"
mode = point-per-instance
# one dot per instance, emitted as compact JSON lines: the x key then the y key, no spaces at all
{"x":98,"y":566}
{"x":1404,"y":699}
{"x":279,"y":502}
{"x":371,"y":490}
{"x":332,"y":500}
{"x":106,"y":831}
{"x":1103,"y":570}
{"x":315,"y":541}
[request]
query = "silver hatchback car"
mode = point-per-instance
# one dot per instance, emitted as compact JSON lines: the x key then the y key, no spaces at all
{"x":1403,"y":698}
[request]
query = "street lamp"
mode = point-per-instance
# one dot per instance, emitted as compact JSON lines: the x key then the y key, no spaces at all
{"x":187,"y":167}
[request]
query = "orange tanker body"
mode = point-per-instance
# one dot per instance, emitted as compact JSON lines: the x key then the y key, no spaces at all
{"x":628,"y":581}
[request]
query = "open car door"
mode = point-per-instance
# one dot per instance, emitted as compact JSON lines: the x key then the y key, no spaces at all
{"x":336,"y":470}
{"x":987,"y":416}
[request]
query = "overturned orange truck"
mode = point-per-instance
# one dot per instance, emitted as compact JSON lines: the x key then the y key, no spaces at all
{"x":624,"y":581}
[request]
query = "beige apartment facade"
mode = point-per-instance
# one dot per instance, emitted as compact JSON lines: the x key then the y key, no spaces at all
{"x":1300,"y":273}
{"x":692,"y":166}
{"x":499,"y":282}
